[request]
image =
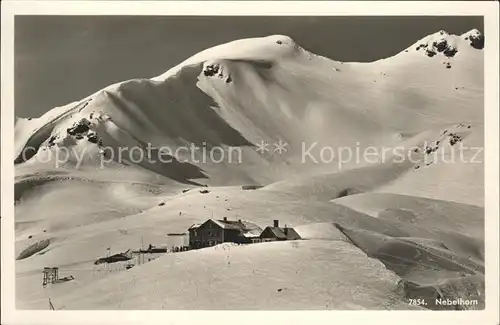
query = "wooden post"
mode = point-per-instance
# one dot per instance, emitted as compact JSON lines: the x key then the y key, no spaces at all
{"x":51,"y":305}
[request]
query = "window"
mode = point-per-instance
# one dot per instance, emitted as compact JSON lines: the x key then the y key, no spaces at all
{"x":195,"y":233}
{"x":210,"y":234}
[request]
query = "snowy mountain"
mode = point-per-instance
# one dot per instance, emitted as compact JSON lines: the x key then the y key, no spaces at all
{"x":84,"y":183}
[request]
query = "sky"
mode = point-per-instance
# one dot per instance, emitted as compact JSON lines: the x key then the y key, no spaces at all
{"x":61,"y":59}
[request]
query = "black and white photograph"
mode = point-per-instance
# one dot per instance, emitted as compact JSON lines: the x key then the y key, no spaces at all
{"x":250,"y":162}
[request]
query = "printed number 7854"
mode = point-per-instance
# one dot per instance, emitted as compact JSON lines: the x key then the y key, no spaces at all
{"x":417,"y":302}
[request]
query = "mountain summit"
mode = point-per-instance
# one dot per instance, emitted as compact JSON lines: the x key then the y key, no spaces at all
{"x":449,"y":45}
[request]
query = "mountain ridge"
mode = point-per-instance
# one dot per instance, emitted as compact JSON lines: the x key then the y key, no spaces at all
{"x":262,"y":69}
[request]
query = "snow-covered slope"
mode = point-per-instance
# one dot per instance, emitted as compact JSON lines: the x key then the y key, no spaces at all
{"x":74,"y":192}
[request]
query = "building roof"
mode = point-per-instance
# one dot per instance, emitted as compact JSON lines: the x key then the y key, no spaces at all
{"x":280,"y":233}
{"x":230,"y":224}
{"x":196,"y":225}
{"x":243,"y":226}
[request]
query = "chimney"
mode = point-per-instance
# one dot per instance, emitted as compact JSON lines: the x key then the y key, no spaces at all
{"x":239,"y":220}
{"x":276,"y":223}
{"x":225,"y":219}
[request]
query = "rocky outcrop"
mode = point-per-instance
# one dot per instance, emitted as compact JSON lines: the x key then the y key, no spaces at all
{"x":477,"y":42}
{"x":82,"y":129}
{"x":211,"y":70}
{"x":430,"y":53}
{"x":450,"y":51}
{"x":79,"y":127}
{"x":92,"y":137}
{"x":51,"y":141}
{"x":216,"y":70}
{"x":454,"y":138}
{"x":475,"y":38}
{"x":440,"y":45}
